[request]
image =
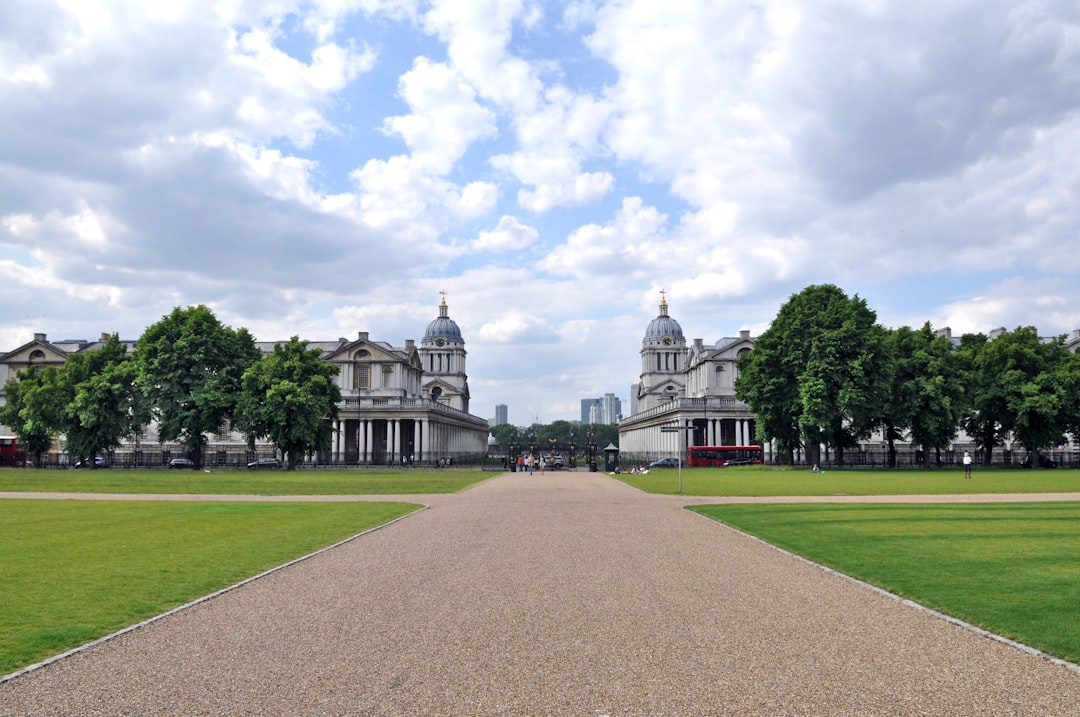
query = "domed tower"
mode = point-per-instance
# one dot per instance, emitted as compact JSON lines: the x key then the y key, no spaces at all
{"x":663,"y":360}
{"x":442,"y":354}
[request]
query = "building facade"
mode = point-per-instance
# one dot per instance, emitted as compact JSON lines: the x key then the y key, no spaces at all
{"x":686,"y":397}
{"x":394,"y":410}
{"x":686,"y":394}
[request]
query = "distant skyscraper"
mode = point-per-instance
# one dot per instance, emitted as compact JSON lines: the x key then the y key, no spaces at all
{"x":612,"y":408}
{"x":601,"y":410}
{"x":501,"y":414}
{"x":587,"y":405}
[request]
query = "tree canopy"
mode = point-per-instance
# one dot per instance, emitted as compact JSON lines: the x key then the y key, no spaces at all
{"x":190,"y":367}
{"x":1021,"y":385}
{"x":818,"y":375}
{"x":33,"y":409}
{"x":290,"y":397}
{"x":103,"y":403}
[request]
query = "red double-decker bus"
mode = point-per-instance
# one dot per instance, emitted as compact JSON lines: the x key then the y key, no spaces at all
{"x":11,"y":454}
{"x":721,"y":456}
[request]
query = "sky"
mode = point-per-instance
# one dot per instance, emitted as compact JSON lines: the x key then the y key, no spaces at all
{"x":324,"y":167}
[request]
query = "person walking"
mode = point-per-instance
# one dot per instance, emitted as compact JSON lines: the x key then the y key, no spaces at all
{"x":967,"y":464}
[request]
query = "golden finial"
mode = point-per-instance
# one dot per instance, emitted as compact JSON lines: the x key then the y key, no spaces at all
{"x":663,"y":298}
{"x":443,"y":303}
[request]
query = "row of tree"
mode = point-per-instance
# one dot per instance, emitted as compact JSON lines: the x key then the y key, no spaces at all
{"x":826,"y":373}
{"x":191,"y":375}
{"x":556,"y":436}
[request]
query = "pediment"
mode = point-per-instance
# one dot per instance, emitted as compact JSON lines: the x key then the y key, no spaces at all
{"x":446,"y":387}
{"x":365,"y":351}
{"x":667,"y":388}
{"x":36,"y":353}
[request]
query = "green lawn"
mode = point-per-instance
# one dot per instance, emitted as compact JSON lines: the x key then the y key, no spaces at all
{"x":1011,"y":568}
{"x":242,"y":482}
{"x":769,"y":480}
{"x":72,"y":571}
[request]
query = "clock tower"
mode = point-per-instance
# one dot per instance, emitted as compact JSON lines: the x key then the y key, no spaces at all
{"x":663,"y":361}
{"x":442,"y":355}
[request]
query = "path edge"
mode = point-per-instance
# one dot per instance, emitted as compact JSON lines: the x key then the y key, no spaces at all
{"x":1072,"y":667}
{"x":197,"y":601}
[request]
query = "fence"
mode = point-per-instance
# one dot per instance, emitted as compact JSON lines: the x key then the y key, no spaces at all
{"x":215,"y":458}
{"x":905,"y":458}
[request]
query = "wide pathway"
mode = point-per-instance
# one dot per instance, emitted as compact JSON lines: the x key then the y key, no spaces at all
{"x":562,"y":594}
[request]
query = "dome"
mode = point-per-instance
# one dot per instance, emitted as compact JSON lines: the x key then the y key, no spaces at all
{"x":443,"y":327}
{"x":663,"y":325}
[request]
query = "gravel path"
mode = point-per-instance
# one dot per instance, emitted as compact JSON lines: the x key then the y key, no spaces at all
{"x":567,"y":594}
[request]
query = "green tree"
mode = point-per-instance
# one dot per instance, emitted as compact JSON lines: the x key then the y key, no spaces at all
{"x":818,"y":375}
{"x":938,"y":392}
{"x":1022,"y":385}
{"x":603,"y":435}
{"x":986,"y":408}
{"x":506,"y":434}
{"x":1069,"y":377}
{"x":33,"y":410}
{"x":190,"y":367}
{"x":555,"y":436}
{"x":1038,"y":398}
{"x":290,"y":397}
{"x":101,"y":402}
{"x":926,"y":390}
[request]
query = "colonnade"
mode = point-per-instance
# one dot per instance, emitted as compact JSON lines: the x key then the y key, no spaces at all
{"x":647,"y":440}
{"x":397,"y":440}
{"x":743,"y":429}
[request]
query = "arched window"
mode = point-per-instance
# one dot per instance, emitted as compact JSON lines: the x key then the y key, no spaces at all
{"x":362,"y":371}
{"x":37,"y":358}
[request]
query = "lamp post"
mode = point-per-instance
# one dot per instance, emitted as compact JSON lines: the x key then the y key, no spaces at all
{"x":681,"y":430}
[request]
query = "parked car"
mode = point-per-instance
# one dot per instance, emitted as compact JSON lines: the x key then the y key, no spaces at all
{"x":1044,"y":461}
{"x":265,"y":464}
{"x":99,"y":462}
{"x":181,"y":463}
{"x":555,"y":463}
{"x":665,"y":463}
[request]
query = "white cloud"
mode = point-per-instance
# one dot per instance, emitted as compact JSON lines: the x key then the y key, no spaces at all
{"x":275,"y":84}
{"x":516,"y":328}
{"x":550,"y":166}
{"x":510,"y":234}
{"x":632,"y":246}
{"x":445,"y":118}
{"x":476,"y":33}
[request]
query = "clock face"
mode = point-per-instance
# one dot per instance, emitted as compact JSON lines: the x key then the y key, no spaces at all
{"x":440,"y":341}
{"x":667,"y":341}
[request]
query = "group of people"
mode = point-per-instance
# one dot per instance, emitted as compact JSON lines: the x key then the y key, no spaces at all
{"x":531,"y":463}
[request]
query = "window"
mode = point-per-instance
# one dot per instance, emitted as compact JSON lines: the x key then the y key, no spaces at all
{"x":363,"y":376}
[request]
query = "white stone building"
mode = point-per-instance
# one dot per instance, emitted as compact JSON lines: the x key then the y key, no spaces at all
{"x":691,"y":389}
{"x":688,"y":388}
{"x":400,"y":404}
